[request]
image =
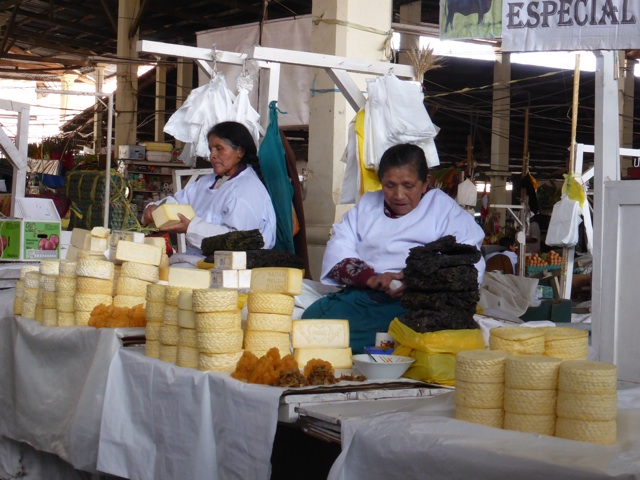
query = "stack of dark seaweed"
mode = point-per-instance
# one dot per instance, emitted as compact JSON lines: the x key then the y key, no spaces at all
{"x":237,"y":241}
{"x":442,"y":286}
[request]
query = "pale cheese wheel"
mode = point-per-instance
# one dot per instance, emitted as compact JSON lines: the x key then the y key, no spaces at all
{"x":187,"y":319}
{"x":566,"y":343}
{"x":218,"y":321}
{"x":97,"y":286}
{"x":140,"y":271}
{"x":66,"y":287}
{"x":128,"y":301}
{"x":82,"y":318}
{"x":28,"y":268}
{"x":155,"y":292}
{"x":521,"y":422}
{"x":17,"y":306}
{"x":185,"y":300}
{"x":30,"y":294}
{"x":187,"y":357}
{"x":152,"y":348}
{"x":277,"y":303}
{"x":49,"y":317}
{"x":215,"y":300}
{"x":49,"y":299}
{"x":533,"y":372}
{"x":491,"y":417}
{"x":154,"y":311}
{"x":222,"y":362}
{"x":171,"y":295}
{"x":39,"y":313}
{"x":67,"y":268}
{"x":479,"y":395}
{"x":66,"y":319}
{"x":169,"y":334}
{"x":480,"y":366}
{"x":269,"y":322}
{"x":517,"y":340}
{"x":582,"y":376}
{"x":50,"y":267}
{"x":170,"y":315}
{"x":132,"y":287}
{"x":32,"y":279}
{"x":187,"y":338}
{"x":266,"y":340}
{"x":48,"y":283}
{"x":588,"y":406}
{"x":531,"y":402}
{"x":168,"y":353}
{"x":220,"y":342}
{"x":65,"y":304}
{"x":603,"y":433}
{"x":95,"y":269}
{"x":28,"y":309}
{"x":20,"y":288}
{"x":152,"y":331}
{"x":86,"y":302}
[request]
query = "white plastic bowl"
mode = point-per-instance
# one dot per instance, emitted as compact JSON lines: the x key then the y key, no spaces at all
{"x":381,"y":369}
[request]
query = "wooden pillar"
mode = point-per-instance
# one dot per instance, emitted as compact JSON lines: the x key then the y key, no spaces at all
{"x":627,"y":95}
{"x":127,"y":75}
{"x":500,"y":131}
{"x":160,"y":107}
{"x":66,"y":83}
{"x":410,"y":14}
{"x":98,"y":113}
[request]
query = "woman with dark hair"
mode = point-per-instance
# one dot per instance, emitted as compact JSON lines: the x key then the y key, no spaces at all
{"x":368,"y":249}
{"x":234,"y":197}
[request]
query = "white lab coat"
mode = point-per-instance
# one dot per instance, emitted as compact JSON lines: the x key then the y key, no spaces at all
{"x":241,"y":203}
{"x":383,"y":243}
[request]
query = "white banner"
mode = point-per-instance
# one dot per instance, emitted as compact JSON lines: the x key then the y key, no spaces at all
{"x":532,"y":25}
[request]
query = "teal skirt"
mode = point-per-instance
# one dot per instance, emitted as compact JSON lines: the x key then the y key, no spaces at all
{"x":368,"y":312}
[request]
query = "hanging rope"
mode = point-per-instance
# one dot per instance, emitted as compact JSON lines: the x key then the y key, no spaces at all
{"x":386,"y":48}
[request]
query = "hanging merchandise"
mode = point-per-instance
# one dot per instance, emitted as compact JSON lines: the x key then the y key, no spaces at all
{"x":467,"y":194}
{"x":484,"y":202}
{"x":351,"y":179}
{"x":274,"y":172}
{"x":563,"y":227}
{"x":245,"y":113}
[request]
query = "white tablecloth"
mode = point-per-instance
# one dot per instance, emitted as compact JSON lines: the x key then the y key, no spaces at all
{"x":161,"y":421}
{"x":429,"y":443}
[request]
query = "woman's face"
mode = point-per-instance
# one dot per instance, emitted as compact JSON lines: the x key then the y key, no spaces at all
{"x":402,"y":189}
{"x":224,"y":158}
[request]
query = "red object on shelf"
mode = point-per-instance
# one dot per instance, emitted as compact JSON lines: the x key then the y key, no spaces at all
{"x":633,"y":172}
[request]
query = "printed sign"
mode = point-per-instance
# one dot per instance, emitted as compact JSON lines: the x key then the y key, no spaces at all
{"x":462,"y":19}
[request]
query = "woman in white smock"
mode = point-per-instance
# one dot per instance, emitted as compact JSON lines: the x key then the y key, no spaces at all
{"x":232,"y":198}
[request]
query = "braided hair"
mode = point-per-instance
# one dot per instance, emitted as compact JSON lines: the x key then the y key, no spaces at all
{"x":238,"y":136}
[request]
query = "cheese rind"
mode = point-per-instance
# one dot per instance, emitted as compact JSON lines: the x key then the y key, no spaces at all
{"x":218,"y":321}
{"x":95,"y":268}
{"x":167,"y":214}
{"x":227,"y":260}
{"x":138,"y":252}
{"x":140,"y":271}
{"x":215,"y":300}
{"x":194,"y":278}
{"x":220,"y":342}
{"x":337,"y":357}
{"x":218,"y":362}
{"x":131,"y":286}
{"x":320,"y":334}
{"x":270,"y":303}
{"x":269,"y":322}
{"x":287,"y":281}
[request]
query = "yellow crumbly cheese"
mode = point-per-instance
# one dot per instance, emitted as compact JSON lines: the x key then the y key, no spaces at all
{"x":138,"y":253}
{"x":187,"y":357}
{"x":67,"y":268}
{"x":49,"y":299}
{"x":220,"y":342}
{"x":517,"y":340}
{"x":224,"y":278}
{"x":221,"y":362}
{"x":167,"y":214}
{"x":140,"y":271}
{"x":32,"y":279}
{"x":170,"y":315}
{"x":531,"y":402}
{"x":479,"y":395}
{"x":603,"y":433}
{"x":65,"y":304}
{"x":265,"y":340}
{"x":215,"y":300}
{"x":521,"y":422}
{"x":95,"y":268}
{"x":194,"y":278}
{"x":287,"y":281}
{"x":152,"y":348}
{"x":491,"y":417}
{"x":270,"y":303}
{"x":49,"y":267}
{"x":66,"y":319}
{"x":171,"y":294}
{"x":588,"y":406}
{"x":534,"y":372}
{"x":269,"y":322}
{"x":128,"y":301}
{"x":227,"y":260}
{"x":66,"y":287}
{"x":320,"y":333}
{"x":152,"y":330}
{"x":187,"y":319}
{"x":168,"y":353}
{"x":218,"y":321}
{"x":582,"y":376}
{"x":337,"y":357}
{"x":185,"y":300}
{"x":49,"y":317}
{"x":480,"y":366}
{"x":97,"y":286}
{"x":169,"y":334}
{"x":95,"y":244}
{"x":187,"y":338}
{"x":86,"y":302}
{"x":154,"y":311}
{"x":155,"y":292}
{"x":132,"y":287}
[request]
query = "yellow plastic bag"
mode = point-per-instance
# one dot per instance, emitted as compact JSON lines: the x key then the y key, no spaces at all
{"x":435,"y":352}
{"x":573,"y":189}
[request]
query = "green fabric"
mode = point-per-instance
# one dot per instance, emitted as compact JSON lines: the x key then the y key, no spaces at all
{"x":274,"y":171}
{"x":368,"y":312}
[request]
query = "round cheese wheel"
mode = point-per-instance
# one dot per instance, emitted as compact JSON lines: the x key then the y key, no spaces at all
{"x":49,"y":299}
{"x":603,"y":433}
{"x":156,"y":292}
{"x":187,"y":338}
{"x":277,"y":303}
{"x":82,"y":318}
{"x":187,"y":319}
{"x":97,"y":286}
{"x":480,"y":366}
{"x":65,"y":304}
{"x":152,"y":348}
{"x":269,"y":322}
{"x":48,"y":282}
{"x":220,"y":342}
{"x":207,"y":322}
{"x":530,"y":402}
{"x":215,"y":300}
{"x":154,"y":311}
{"x":67,"y":268}
{"x":256,"y":341}
{"x":49,"y":317}
{"x":187,"y":357}
{"x":491,"y":417}
{"x":66,"y":287}
{"x":517,"y":340}
{"x":479,"y":395}
{"x":95,"y":269}
{"x":172,"y":293}
{"x":152,"y":330}
{"x":221,"y":362}
{"x":86,"y":302}
{"x":169,"y":334}
{"x":588,"y":406}
{"x":521,"y":422}
{"x":50,"y":267}
{"x":66,"y":319}
{"x":533,"y":372}
{"x":582,"y":376}
{"x":170,"y":315}
{"x":128,"y":301}
{"x":28,"y":268}
{"x":185,"y":300}
{"x":132,"y":287}
{"x":140,"y":271}
{"x":30,"y":294}
{"x":168,"y":353}
{"x":32,"y":279}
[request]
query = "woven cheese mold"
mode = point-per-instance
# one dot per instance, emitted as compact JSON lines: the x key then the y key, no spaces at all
{"x":480,"y":366}
{"x":95,"y":269}
{"x":66,"y":319}
{"x":269,"y":322}
{"x":218,"y":321}
{"x":517,"y":340}
{"x":587,"y":406}
{"x":277,"y":303}
{"x":266,"y":340}
{"x":168,"y":353}
{"x":32,"y":279}
{"x":49,"y":299}
{"x":152,"y":330}
{"x":171,"y":294}
{"x":187,"y":338}
{"x":86,"y":302}
{"x":132,"y":287}
{"x":66,"y":287}
{"x":479,"y":395}
{"x":154,"y":311}
{"x":187,"y":319}
{"x":187,"y":357}
{"x":582,"y":376}
{"x":170,"y":315}
{"x":152,"y":348}
{"x":140,"y":271}
{"x":156,"y":292}
{"x":49,"y":267}
{"x":28,"y":309}
{"x":225,"y":342}
{"x":48,"y":283}
{"x":185,"y":300}
{"x":169,"y":334}
{"x":533,"y":372}
{"x":65,"y":304}
{"x":224,"y":362}
{"x":540,"y":424}
{"x":532,"y":402}
{"x":491,"y":417}
{"x":128,"y":301}
{"x":97,"y":286}
{"x":67,"y":269}
{"x":566,"y":343}
{"x":30,"y":294}
{"x":82,"y":318}
{"x":603,"y":433}
{"x":215,"y":300}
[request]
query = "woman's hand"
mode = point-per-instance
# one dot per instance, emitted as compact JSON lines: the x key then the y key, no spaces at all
{"x":383,"y":281}
{"x":146,"y":215}
{"x":178,"y":227}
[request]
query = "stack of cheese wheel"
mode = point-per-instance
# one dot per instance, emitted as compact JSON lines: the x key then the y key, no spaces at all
{"x":218,"y":328}
{"x":517,"y":340}
{"x":49,"y":270}
{"x":270,"y":306}
{"x":531,"y":383}
{"x":131,"y":288}
{"x":587,"y":402}
{"x":480,"y":387}
{"x":31,"y":290}
{"x":39,"y":301}
{"x":188,"y":353}
{"x":154,"y":312}
{"x":170,"y":331}
{"x":65,"y":293}
{"x":566,"y":343}
{"x":17,"y":300}
{"x":94,"y":285}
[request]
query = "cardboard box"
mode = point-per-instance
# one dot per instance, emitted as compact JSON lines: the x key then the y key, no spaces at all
{"x":34,"y":234}
{"x":131,"y":152}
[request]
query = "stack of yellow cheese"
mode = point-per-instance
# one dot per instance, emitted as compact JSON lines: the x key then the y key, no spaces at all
{"x":19,"y":297}
{"x":49,"y":270}
{"x":270,"y":305}
{"x":566,"y":343}
{"x":322,"y":339}
{"x":587,"y":402}
{"x":154,"y":312}
{"x":517,"y":340}
{"x":65,"y":293}
{"x":188,"y":353}
{"x":169,"y":331}
{"x":94,"y":286}
{"x":531,"y":383}
{"x":480,"y":387}
{"x":160,"y":243}
{"x":132,"y":284}
{"x":30,"y":278}
{"x":96,"y":243}
{"x":230,"y":271}
{"x":218,"y":328}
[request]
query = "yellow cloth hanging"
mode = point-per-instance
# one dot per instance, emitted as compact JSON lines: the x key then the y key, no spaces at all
{"x":573,"y":189}
{"x":369,"y":181}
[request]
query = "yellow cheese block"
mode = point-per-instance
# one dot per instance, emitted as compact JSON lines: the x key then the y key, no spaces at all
{"x":337,"y":357}
{"x":187,"y":319}
{"x":167,"y":214}
{"x":194,"y":278}
{"x":95,"y":244}
{"x":319,"y":333}
{"x":270,"y":303}
{"x":491,"y":417}
{"x":227,"y":260}
{"x":287,"y":281}
{"x":530,"y":402}
{"x":221,"y":362}
{"x":582,"y":376}
{"x":534,"y":372}
{"x":140,"y":271}
{"x":138,"y":252}
{"x":215,"y":300}
{"x":603,"y":433}
{"x":152,"y":348}
{"x":220,"y":342}
{"x":479,"y":395}
{"x":269,"y":322}
{"x":218,"y":321}
{"x":522,"y":422}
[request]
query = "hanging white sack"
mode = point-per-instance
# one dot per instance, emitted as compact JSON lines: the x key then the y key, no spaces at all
{"x":467,"y":194}
{"x":245,"y":113}
{"x":349,"y":193}
{"x":563,"y":226}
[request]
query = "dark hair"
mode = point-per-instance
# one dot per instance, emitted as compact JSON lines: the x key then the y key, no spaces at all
{"x":402,"y":155}
{"x":507,"y":242}
{"x":238,"y":136}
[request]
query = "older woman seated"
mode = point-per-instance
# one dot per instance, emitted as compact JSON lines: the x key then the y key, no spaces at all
{"x":368,"y":249}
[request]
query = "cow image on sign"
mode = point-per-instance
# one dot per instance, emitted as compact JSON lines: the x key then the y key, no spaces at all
{"x":466,"y":8}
